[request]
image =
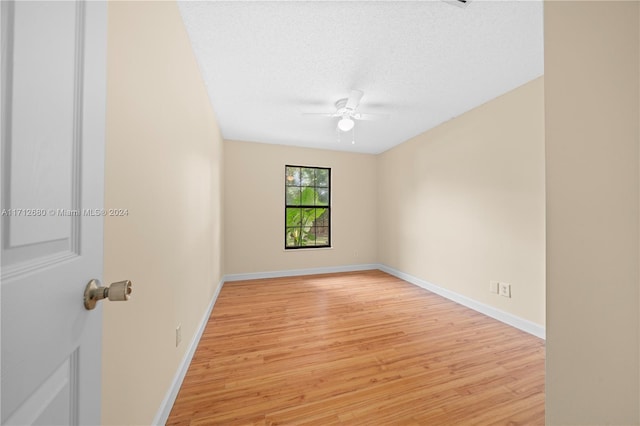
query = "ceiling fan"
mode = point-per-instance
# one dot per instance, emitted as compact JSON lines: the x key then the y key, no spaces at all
{"x":346,"y":111}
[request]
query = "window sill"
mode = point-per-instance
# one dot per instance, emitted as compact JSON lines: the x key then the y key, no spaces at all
{"x":307,"y":249}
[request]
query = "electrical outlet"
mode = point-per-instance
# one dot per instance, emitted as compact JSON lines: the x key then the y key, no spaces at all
{"x":494,"y":287}
{"x":178,"y":334}
{"x":505,"y":290}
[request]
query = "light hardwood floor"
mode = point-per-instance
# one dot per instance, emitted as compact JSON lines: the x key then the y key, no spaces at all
{"x":362,"y":348}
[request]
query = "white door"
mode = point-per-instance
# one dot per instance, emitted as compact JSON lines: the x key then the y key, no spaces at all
{"x":52,"y":166}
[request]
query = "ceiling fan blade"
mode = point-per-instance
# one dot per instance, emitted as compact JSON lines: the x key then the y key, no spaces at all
{"x":354,"y":99}
{"x":370,"y":117}
{"x":320,"y":114}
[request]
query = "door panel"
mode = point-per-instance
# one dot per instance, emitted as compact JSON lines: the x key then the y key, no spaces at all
{"x":46,"y":47}
{"x":42,"y":172}
{"x":52,"y":404}
{"x":52,"y":127}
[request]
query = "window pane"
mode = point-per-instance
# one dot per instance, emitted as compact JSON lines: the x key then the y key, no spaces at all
{"x":311,"y":237}
{"x":323,"y":197}
{"x":322,"y":177}
{"x":322,"y":235}
{"x":322,"y":241}
{"x":308,"y":217}
{"x":293,"y":235}
{"x":308,"y":176}
{"x":294,"y":217}
{"x":293,"y":195}
{"x":308,"y":197}
{"x":292,"y":176}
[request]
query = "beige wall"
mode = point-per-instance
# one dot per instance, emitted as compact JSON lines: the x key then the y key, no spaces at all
{"x":254,"y":208}
{"x":163,"y":164}
{"x":483,"y":169}
{"x":591,"y":104}
{"x":463,"y":204}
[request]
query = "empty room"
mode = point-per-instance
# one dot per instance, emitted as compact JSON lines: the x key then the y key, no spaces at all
{"x":359,"y":212}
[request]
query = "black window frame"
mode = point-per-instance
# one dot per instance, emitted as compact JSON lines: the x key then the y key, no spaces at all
{"x":288,"y":206}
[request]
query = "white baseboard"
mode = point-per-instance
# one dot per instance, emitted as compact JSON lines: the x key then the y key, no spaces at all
{"x":296,"y":272}
{"x":167,"y":403}
{"x":505,"y":317}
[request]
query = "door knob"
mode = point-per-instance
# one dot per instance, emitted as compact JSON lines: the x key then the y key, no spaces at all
{"x":93,"y":292}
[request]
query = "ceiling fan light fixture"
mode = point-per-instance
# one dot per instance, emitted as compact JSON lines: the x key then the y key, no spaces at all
{"x":345,"y":124}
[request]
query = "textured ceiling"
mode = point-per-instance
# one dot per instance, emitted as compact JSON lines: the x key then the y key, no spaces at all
{"x":421,"y":63}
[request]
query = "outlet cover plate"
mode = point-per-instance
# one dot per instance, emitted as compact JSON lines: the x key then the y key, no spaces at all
{"x":505,"y":290}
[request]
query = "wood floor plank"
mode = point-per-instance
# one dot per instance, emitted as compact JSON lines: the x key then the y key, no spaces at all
{"x":357,"y":348}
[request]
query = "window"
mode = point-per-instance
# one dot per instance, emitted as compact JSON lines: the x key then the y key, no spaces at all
{"x":307,"y":207}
